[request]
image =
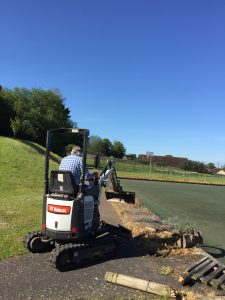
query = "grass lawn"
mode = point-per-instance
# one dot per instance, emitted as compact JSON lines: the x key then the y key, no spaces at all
{"x":206,"y":179}
{"x":21,"y":191}
{"x":140,"y":170}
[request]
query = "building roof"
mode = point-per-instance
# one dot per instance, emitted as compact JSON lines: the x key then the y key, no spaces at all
{"x":221,"y":172}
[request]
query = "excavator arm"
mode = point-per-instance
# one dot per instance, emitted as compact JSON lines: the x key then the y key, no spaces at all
{"x":108,"y":175}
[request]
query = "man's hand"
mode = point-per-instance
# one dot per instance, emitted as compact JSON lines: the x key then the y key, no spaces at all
{"x":95,"y":175}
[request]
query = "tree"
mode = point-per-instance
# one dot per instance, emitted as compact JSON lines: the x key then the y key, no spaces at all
{"x":6,"y":113}
{"x":94,"y":144}
{"x":106,"y":147}
{"x":35,"y":111}
{"x":195,"y":166}
{"x":211,"y":166}
{"x":201,"y":168}
{"x":118,"y":149}
{"x":131,"y":156}
{"x":15,"y":126}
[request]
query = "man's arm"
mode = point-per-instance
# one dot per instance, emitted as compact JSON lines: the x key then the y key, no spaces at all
{"x":88,"y":175}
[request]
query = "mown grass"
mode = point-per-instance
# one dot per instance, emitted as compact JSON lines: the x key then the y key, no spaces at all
{"x":175,"y":178}
{"x":142,"y":171}
{"x":21,"y":192}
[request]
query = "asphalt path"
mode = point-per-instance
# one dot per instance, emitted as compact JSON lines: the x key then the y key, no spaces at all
{"x":31,"y":276}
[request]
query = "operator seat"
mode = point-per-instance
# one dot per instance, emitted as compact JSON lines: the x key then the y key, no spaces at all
{"x":62,"y":182}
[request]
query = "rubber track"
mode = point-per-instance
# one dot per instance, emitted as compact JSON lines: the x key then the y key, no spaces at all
{"x":27,"y":239}
{"x":63,"y":257}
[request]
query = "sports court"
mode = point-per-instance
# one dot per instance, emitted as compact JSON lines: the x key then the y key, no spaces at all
{"x":203,"y":206}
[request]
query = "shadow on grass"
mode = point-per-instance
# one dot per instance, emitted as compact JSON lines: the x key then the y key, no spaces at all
{"x":40,"y":150}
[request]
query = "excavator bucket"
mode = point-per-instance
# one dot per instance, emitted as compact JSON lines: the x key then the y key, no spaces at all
{"x":114,"y":189}
{"x":128,"y":197}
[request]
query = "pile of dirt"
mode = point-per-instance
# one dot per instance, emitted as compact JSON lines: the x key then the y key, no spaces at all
{"x":140,"y":220}
{"x":150,"y":233}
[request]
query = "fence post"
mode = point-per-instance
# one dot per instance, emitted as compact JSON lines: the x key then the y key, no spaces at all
{"x":97,"y":161}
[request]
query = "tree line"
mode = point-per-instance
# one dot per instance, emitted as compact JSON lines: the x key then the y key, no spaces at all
{"x":105,"y":147}
{"x":29,"y":113}
{"x":200,"y":167}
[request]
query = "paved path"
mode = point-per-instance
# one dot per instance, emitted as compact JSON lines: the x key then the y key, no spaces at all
{"x":31,"y":276}
{"x":107,"y":212}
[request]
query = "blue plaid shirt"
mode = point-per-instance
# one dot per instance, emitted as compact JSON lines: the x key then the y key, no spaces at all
{"x":73,"y":163}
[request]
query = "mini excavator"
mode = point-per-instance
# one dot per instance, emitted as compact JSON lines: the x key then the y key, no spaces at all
{"x":71,"y":225}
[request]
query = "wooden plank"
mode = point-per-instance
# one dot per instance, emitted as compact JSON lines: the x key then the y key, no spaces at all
{"x":197,"y":264}
{"x":218,"y":282}
{"x":186,"y":277}
{"x":212,"y":275}
{"x":197,"y":275}
{"x":221,"y":280}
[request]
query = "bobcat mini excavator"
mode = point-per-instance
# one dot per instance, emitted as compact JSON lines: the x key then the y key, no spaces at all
{"x":71,"y":225}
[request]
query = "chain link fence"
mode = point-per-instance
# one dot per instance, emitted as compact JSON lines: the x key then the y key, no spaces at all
{"x":140,"y":167}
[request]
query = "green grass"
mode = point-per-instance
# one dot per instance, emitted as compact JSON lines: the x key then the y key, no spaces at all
{"x":203,"y":178}
{"x":140,"y":170}
{"x":21,"y":192}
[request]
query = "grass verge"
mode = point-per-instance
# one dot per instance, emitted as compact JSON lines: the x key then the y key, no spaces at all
{"x":21,"y":190}
{"x":172,"y":178}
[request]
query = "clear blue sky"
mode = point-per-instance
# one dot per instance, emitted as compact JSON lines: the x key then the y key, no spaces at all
{"x":150,"y":73}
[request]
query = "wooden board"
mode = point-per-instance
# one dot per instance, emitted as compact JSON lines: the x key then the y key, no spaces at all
{"x":212,"y":275}
{"x":208,"y":271}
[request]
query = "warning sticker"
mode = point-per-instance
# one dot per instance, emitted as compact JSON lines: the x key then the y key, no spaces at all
{"x":60,"y":177}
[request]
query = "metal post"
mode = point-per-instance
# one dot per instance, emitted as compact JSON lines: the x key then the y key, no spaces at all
{"x":84,"y":158}
{"x":150,"y":164}
{"x":150,"y":155}
{"x":47,"y":153}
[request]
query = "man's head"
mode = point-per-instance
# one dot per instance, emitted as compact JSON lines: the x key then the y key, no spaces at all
{"x":77,"y":151}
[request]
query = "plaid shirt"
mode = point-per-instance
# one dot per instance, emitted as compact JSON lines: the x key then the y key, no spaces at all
{"x":73,"y":163}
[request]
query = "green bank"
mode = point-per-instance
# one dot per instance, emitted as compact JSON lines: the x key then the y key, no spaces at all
{"x":21,"y":190}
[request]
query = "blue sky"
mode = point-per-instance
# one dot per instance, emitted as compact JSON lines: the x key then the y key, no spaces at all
{"x":150,"y":73}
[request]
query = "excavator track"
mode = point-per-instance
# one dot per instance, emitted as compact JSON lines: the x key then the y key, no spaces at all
{"x":29,"y":238}
{"x":34,"y":242}
{"x":71,"y":256}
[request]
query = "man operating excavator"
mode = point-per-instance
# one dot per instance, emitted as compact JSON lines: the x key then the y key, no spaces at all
{"x":73,"y":163}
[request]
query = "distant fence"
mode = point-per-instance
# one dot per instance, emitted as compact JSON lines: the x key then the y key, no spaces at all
{"x":144,"y":167}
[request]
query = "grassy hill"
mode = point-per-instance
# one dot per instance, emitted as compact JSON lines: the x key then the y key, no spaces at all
{"x":21,"y":191}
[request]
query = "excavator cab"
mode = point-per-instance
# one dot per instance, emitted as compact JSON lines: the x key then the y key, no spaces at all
{"x":68,"y":210}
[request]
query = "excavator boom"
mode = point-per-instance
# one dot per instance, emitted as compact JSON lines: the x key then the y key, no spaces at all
{"x":116,"y":190}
